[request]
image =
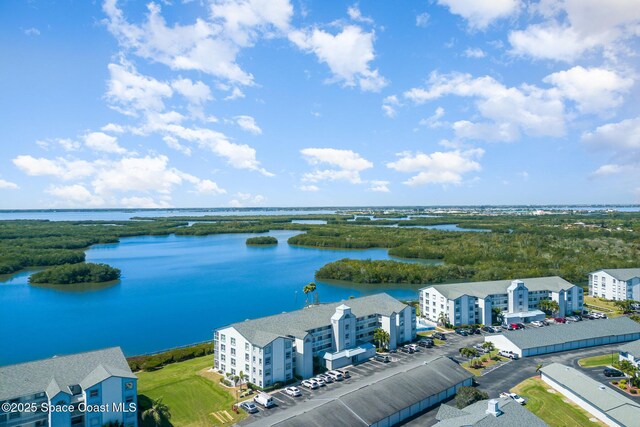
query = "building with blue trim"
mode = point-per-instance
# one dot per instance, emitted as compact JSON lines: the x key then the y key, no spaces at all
{"x":79,"y":390}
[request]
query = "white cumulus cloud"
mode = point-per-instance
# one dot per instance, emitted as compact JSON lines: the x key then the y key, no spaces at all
{"x":347,"y":165}
{"x":347,"y":53}
{"x":481,"y":13}
{"x":8,"y":185}
{"x":439,"y":167}
{"x":100,"y":141}
{"x":248,"y":124}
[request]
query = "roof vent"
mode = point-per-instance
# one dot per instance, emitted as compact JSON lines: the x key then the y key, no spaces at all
{"x":493,"y":408}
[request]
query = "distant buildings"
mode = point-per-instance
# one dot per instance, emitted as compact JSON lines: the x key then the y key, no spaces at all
{"x":571,"y":336}
{"x":277,"y":348}
{"x":85,"y":389}
{"x":517,"y":300}
{"x":601,"y":401}
{"x":615,"y":284}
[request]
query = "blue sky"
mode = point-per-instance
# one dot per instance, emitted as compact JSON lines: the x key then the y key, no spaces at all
{"x":315,"y":103}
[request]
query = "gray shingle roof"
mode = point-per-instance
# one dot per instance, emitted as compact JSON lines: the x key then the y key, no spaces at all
{"x":58,"y":373}
{"x":374,"y":402}
{"x":560,"y":334}
{"x":623,"y":274}
{"x":631,"y":348}
{"x":622,"y":409}
{"x":513,"y":414}
{"x":484,"y":289}
{"x":263,"y":330}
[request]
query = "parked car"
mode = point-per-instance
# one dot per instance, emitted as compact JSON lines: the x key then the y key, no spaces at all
{"x":440,"y":336}
{"x":414,"y":347}
{"x":319,"y":380}
{"x":571,"y":319}
{"x":509,"y":326}
{"x":537,"y":323}
{"x":488,"y":329}
{"x":293,"y":391}
{"x":560,"y":320}
{"x":337,"y":376}
{"x":249,"y":407}
{"x":519,"y":325}
{"x":264,"y":399}
{"x":407,"y":349}
{"x":475,"y":331}
{"x":345,"y":374}
{"x":509,"y":354}
{"x":327,"y":378}
{"x":461,"y":332}
{"x":310,"y":384}
{"x":611,"y":372}
{"x":480,"y":349}
{"x":515,"y":397}
{"x":425,"y":342}
{"x":382,"y":358}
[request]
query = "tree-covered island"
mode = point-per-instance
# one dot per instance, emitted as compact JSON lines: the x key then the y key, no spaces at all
{"x":262,"y":240}
{"x":76,"y":273}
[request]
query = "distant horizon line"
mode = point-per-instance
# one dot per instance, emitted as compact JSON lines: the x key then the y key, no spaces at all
{"x":404,"y":207}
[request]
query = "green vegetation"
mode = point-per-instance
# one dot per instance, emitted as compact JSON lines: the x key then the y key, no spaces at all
{"x":600,"y":360}
{"x":552,"y":407}
{"x":262,"y":240}
{"x":465,"y":396}
{"x":569,"y":245}
{"x":76,"y":273}
{"x":368,"y":271}
{"x":156,"y":361}
{"x":194,"y":396}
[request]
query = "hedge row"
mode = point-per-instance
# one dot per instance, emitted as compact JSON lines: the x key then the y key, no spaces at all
{"x":157,"y":361}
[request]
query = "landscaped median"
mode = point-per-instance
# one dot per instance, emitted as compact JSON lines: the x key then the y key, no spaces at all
{"x":193,"y":394}
{"x":479,"y":364}
{"x":551,"y":406}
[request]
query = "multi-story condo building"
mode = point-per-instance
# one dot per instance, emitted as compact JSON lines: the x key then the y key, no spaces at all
{"x":615,"y":284}
{"x":275,"y":348}
{"x":517,"y":300}
{"x":80,"y":390}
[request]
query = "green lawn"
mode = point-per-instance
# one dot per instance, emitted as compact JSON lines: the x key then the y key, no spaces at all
{"x":552,"y":408}
{"x":601,"y":360}
{"x":608,"y":307}
{"x":192,"y":394}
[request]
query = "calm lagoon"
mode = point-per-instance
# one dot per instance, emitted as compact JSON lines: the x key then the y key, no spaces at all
{"x":174,"y":291}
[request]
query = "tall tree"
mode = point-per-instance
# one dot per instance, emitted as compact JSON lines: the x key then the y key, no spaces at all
{"x":157,"y":413}
{"x":311,"y":287}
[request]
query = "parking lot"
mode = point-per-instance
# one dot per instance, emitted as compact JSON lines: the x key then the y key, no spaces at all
{"x":362,"y":374}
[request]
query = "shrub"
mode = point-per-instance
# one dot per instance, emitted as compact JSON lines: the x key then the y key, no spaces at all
{"x":614,"y":382}
{"x":634,"y":391}
{"x":156,"y":361}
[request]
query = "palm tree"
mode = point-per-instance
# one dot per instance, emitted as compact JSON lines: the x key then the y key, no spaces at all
{"x":496,"y":315}
{"x":488,"y":345}
{"x":242,"y":377}
{"x":549,"y":306}
{"x":443,"y":319}
{"x":381,"y":337}
{"x":157,"y":413}
{"x":311,"y":287}
{"x":538,"y":368}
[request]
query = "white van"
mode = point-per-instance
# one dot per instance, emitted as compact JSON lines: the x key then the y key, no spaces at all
{"x":264,"y":399}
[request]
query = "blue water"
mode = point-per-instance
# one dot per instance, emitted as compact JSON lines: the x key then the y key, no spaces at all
{"x":449,"y":227}
{"x":174,"y":291}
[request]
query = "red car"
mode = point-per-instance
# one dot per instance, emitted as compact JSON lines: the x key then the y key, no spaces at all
{"x":560,"y":320}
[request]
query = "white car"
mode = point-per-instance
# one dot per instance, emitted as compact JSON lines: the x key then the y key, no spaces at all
{"x":293,"y":391}
{"x":319,"y":380}
{"x":310,"y":384}
{"x":337,"y":376}
{"x":517,"y":398}
{"x":537,"y":323}
{"x":327,"y":378}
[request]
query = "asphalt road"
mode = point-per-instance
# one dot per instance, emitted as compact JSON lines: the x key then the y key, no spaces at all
{"x":503,"y":378}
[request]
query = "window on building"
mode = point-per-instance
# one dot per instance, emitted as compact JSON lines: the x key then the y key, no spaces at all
{"x":233,"y":341}
{"x":287,"y":355}
{"x":267,"y":373}
{"x":246,"y":368}
{"x":223,"y":367}
{"x":233,"y":371}
{"x":233,"y":362}
{"x":246,"y":346}
{"x":223,"y":357}
{"x":267,"y":350}
{"x":128,"y":385}
{"x":93,"y":393}
{"x":287,"y":366}
{"x":233,"y":351}
{"x":267,"y":361}
{"x":223,"y":347}
{"x":223,"y":338}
